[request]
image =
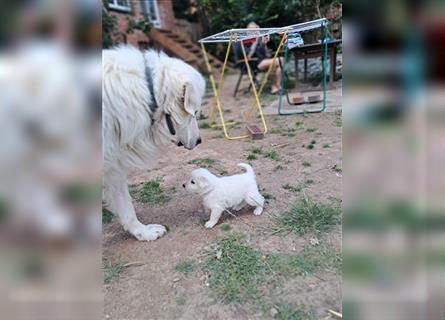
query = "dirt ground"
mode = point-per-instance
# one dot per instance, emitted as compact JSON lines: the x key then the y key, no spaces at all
{"x":150,"y":288}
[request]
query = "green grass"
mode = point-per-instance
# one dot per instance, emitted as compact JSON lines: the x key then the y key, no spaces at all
{"x":107,"y":216}
{"x":306,"y":164}
{"x":226,"y":227}
{"x":203,"y":162}
{"x":308,"y":217}
{"x":311,"y":129}
{"x":185,"y":266}
{"x":279,"y":167}
{"x":235,"y":270}
{"x":257,"y":150}
{"x":284,"y":131}
{"x":297,"y":188}
{"x":310,"y":260}
{"x":151,"y":192}
{"x":272,"y":155}
{"x":326,"y":145}
{"x":112,"y":271}
{"x":267,"y":196}
{"x":180,"y":301}
{"x":204,"y":125}
{"x":338,"y":118}
{"x":251,"y":156}
{"x":338,"y":169}
{"x":218,"y":136}
{"x":291,"y":188}
{"x":299,"y":123}
{"x":290,"y":311}
{"x":310,"y":146}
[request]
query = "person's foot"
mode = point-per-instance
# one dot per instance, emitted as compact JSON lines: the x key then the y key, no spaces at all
{"x":274,"y":90}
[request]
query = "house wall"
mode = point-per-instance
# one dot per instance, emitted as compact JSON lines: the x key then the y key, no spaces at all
{"x":166,"y":14}
{"x":137,"y":37}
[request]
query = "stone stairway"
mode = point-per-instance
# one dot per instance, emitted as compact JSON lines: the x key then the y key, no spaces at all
{"x":179,"y":46}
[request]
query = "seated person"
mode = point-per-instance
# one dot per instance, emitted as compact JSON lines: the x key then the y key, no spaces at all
{"x":258,"y":49}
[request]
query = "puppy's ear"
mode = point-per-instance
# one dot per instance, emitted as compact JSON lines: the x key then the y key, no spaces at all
{"x":188,"y":98}
{"x":202,"y":182}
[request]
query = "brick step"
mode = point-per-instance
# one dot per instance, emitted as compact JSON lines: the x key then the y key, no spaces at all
{"x":174,"y":44}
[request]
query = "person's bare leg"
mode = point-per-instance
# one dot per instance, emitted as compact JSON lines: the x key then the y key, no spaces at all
{"x":264,"y":64}
{"x":277,"y":74}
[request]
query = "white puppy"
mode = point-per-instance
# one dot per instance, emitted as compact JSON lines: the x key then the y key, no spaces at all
{"x":223,"y":193}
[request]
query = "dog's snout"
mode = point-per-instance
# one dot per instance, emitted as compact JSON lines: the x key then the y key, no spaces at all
{"x":183,"y":185}
{"x":180,"y":144}
{"x":198,"y":141}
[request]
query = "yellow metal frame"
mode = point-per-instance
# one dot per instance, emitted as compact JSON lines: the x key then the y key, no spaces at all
{"x":256,"y":93}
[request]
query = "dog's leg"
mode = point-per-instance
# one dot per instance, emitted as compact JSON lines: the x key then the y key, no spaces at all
{"x":214,"y":217}
{"x":239,"y":206}
{"x":120,"y":204}
{"x":256,"y":200}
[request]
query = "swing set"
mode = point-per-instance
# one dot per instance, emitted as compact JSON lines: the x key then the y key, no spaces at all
{"x":290,"y":38}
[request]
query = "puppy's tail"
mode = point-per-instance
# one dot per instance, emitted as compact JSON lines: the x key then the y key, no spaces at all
{"x":247,"y":167}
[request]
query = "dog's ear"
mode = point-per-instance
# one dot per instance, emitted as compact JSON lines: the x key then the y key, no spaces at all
{"x":188,"y":98}
{"x":202,"y":182}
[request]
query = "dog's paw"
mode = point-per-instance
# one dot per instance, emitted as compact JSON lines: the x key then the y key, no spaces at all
{"x":258,"y":211}
{"x":149,"y":232}
{"x":210,"y":224}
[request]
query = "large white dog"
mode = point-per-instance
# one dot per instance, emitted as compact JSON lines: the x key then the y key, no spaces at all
{"x":149,"y":100}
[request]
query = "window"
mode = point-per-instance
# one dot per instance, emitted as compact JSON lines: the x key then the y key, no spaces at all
{"x":122,"y":5}
{"x":151,"y":11}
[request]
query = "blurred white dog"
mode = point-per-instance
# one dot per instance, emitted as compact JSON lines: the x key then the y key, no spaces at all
{"x":223,"y":193}
{"x":149,"y":100}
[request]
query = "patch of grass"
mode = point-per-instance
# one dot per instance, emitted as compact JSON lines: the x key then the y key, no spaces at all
{"x":202,"y":116}
{"x":311,"y":129}
{"x":226,"y":227}
{"x":338,"y":118}
{"x":218,"y":136}
{"x":235,"y":270}
{"x":291,"y":188}
{"x":107,"y":216}
{"x":272,"y":155}
{"x":151,"y":192}
{"x":112,"y":271}
{"x":203,"y":162}
{"x":279,"y":167}
{"x":251,"y":156}
{"x":284,"y":131}
{"x":204,"y":125}
{"x":267,"y":196}
{"x":326,"y":145}
{"x":310,"y":260}
{"x":290,"y":311}
{"x":338,"y":169}
{"x":306,"y":164}
{"x":308,"y":217}
{"x":276,"y":130}
{"x":299,"y":123}
{"x":257,"y":150}
{"x":311,"y":145}
{"x":309,"y":181}
{"x":185,"y":266}
{"x":180,"y":301}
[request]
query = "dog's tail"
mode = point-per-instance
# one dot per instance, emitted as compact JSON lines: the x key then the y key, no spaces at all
{"x":247,"y":167}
